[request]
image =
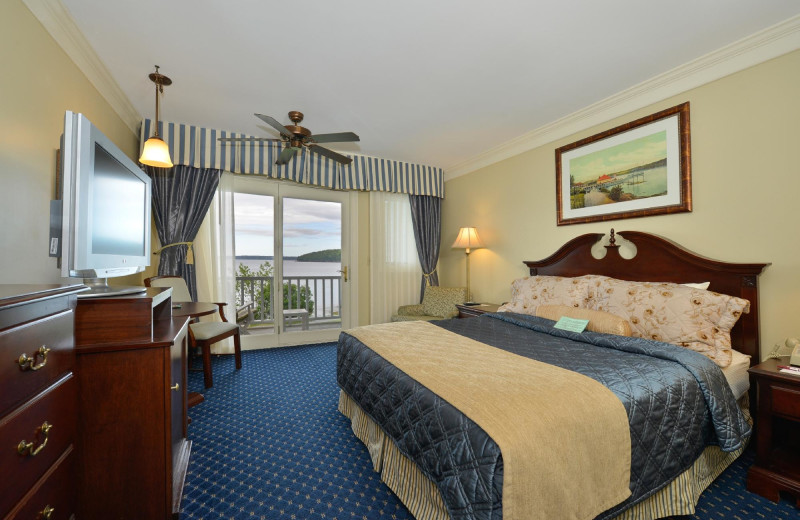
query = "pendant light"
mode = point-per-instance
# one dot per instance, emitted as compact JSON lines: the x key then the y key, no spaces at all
{"x":155,"y":151}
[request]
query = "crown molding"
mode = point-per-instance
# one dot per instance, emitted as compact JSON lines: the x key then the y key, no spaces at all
{"x":764,"y":45}
{"x":58,"y":21}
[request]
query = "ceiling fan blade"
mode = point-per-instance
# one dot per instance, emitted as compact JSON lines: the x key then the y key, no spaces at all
{"x":286,"y":155}
{"x":330,"y":154}
{"x":341,"y":137}
{"x":275,"y":124}
{"x":248,"y":139}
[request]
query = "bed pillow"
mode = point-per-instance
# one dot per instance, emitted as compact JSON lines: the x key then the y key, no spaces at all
{"x":700,"y":285}
{"x":532,"y":291}
{"x":697,"y":319}
{"x":599,"y":321}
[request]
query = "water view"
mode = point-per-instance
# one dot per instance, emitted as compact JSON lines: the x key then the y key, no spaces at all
{"x":293,"y":267}
{"x":311,"y":248}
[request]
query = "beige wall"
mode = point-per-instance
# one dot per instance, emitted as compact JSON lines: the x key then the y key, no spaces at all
{"x":38,"y":84}
{"x":745,"y":131}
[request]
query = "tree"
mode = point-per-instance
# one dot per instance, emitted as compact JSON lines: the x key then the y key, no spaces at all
{"x":301,"y":296}
{"x":616,"y":193}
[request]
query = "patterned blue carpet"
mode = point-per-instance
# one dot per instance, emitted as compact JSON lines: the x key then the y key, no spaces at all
{"x":269,"y":443}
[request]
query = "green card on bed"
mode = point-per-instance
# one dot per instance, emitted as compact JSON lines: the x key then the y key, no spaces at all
{"x":571,"y":324}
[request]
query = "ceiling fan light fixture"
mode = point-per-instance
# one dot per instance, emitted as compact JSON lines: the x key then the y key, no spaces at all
{"x":155,"y":151}
{"x":297,"y":137}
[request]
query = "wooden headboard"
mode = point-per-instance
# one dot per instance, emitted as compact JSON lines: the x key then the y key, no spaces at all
{"x":660,"y":260}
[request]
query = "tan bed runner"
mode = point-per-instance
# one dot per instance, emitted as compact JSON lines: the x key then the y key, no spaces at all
{"x":564,"y":436}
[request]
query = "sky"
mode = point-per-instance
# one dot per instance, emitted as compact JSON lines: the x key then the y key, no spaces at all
{"x":309,"y":225}
{"x":621,"y":157}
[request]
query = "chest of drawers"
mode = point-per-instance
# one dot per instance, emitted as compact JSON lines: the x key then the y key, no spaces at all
{"x":38,"y":405}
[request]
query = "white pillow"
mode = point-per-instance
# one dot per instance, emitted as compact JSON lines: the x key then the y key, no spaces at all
{"x":702,"y":285}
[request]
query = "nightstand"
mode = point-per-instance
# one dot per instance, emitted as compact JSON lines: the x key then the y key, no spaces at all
{"x":470,"y":311}
{"x":777,"y":466}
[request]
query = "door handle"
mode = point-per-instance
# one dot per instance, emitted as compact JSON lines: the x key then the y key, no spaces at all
{"x":343,"y":270}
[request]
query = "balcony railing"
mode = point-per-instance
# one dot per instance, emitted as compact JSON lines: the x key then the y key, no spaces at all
{"x":319,"y":295}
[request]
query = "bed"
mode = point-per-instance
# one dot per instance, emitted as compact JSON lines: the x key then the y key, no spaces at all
{"x":503,"y":416}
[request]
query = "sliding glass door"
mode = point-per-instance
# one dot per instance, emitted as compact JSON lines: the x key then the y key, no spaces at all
{"x":292,"y":248}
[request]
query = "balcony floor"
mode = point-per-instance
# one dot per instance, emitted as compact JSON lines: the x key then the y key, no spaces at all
{"x":256,"y":329}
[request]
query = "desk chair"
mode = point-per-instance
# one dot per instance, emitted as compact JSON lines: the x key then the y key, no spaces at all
{"x":202,"y":335}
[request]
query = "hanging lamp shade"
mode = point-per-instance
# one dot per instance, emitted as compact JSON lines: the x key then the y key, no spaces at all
{"x":155,"y":151}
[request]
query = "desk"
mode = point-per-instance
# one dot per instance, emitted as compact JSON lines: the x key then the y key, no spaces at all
{"x":193,"y":310}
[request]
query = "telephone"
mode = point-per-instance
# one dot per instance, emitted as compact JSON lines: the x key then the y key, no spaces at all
{"x":794,"y":344}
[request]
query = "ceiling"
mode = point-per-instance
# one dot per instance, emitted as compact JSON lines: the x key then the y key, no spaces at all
{"x":431,"y":82}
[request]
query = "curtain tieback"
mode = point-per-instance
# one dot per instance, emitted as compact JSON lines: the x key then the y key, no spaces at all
{"x":189,"y":251}
{"x":428,"y":277}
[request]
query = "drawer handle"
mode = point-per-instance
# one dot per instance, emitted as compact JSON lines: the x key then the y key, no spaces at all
{"x":47,"y":512}
{"x":27,"y":448}
{"x":176,"y":386}
{"x":29,"y":363}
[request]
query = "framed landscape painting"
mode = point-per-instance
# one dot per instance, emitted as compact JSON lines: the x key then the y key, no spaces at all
{"x":639,"y":169}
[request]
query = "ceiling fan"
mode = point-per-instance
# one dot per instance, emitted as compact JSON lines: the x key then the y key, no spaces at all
{"x":298,"y":136}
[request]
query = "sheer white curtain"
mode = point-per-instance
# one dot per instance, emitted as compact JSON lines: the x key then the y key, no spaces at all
{"x":394,"y":266}
{"x":214,"y":253}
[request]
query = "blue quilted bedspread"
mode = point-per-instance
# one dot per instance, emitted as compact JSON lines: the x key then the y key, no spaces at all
{"x":678,"y":402}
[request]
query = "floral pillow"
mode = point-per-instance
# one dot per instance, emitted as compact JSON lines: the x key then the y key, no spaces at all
{"x":698,"y":319}
{"x":532,"y":291}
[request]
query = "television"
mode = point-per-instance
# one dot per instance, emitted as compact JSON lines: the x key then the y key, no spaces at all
{"x":105,"y":210}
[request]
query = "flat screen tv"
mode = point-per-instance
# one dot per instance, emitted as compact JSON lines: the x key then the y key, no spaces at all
{"x":105,"y":210}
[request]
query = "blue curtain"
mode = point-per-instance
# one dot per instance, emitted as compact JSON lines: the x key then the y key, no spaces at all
{"x":181,"y":198}
{"x":426,"y":215}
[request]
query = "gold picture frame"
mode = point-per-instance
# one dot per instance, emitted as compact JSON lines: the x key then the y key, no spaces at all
{"x":638,"y":169}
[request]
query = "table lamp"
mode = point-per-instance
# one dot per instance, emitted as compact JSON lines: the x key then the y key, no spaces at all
{"x":467,"y":239}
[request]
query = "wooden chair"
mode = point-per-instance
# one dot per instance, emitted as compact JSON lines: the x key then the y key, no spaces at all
{"x":202,"y":335}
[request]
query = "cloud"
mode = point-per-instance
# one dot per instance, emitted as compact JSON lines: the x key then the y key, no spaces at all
{"x":309,"y":225}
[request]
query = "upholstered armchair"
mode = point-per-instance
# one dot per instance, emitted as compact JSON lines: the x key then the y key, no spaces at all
{"x":439,"y":303}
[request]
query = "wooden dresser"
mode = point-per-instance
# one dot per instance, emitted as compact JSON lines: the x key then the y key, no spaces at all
{"x":37,"y":401}
{"x":132,"y":451}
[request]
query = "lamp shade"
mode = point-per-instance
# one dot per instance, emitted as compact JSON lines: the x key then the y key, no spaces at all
{"x":467,"y":239}
{"x":156,"y":153}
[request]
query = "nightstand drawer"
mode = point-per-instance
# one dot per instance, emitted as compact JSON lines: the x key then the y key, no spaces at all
{"x":471,"y":311}
{"x":786,"y":402}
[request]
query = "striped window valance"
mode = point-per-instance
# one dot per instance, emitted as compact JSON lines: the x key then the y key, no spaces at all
{"x":201,"y":148}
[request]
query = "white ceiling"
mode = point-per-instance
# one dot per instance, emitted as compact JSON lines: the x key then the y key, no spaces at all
{"x":431,"y":82}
